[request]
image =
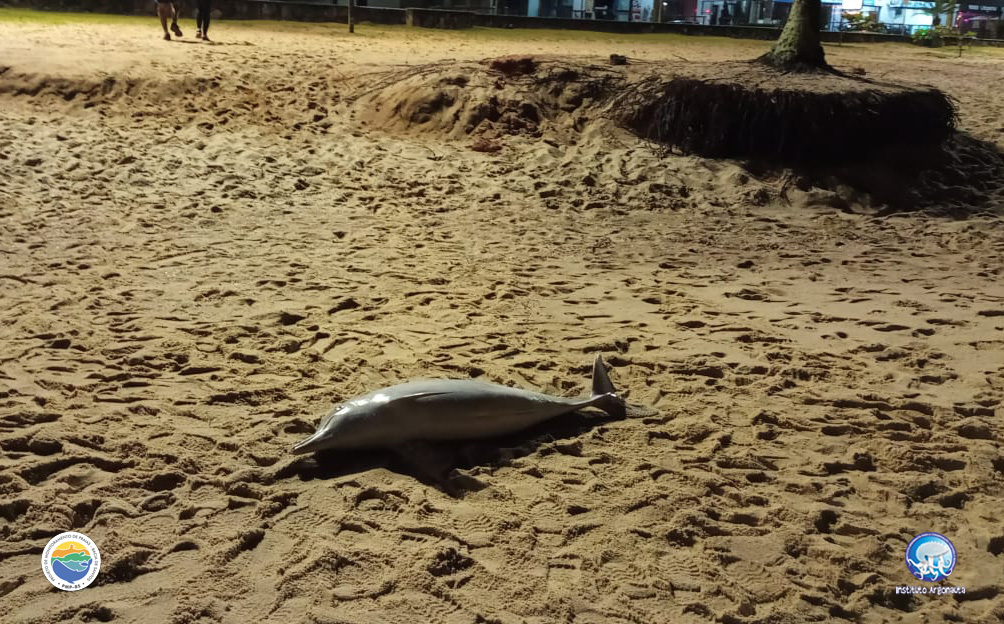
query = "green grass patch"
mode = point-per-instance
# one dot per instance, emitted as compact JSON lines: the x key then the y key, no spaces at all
{"x":977,"y":51}
{"x":545,"y":37}
{"x":546,"y":34}
{"x":289,"y":26}
{"x":59,"y":18}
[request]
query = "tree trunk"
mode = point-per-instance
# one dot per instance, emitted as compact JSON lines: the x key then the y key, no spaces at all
{"x":799,"y":47}
{"x":352,"y":23}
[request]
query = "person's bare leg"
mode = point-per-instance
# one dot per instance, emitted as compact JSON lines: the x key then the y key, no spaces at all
{"x":164,"y":11}
{"x":175,"y":9}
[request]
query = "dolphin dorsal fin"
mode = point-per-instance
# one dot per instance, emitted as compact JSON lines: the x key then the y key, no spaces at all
{"x":601,"y":382}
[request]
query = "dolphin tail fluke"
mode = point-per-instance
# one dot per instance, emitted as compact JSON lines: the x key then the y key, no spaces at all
{"x":604,"y":394}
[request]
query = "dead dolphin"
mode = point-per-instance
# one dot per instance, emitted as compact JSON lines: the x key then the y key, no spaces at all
{"x":448,"y":409}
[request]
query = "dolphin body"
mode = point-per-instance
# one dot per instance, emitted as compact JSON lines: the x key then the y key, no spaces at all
{"x":448,"y":409}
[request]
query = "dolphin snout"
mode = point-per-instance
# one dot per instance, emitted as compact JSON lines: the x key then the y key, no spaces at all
{"x":308,"y":445}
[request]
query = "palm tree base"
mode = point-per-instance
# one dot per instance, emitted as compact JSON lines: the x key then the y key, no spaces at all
{"x":802,"y":64}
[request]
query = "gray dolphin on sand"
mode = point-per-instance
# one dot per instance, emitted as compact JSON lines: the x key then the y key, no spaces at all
{"x":448,"y":409}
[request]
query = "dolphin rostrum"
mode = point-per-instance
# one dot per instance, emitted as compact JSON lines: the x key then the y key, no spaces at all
{"x":448,"y":409}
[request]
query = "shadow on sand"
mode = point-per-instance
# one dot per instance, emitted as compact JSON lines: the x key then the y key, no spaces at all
{"x":211,"y":43}
{"x":452,"y":467}
{"x":962,"y":177}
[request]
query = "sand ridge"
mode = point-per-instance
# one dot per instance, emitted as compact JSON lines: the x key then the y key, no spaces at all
{"x":198,"y":263}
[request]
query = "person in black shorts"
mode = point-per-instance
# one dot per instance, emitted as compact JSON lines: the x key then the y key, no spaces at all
{"x":165,"y":9}
{"x":203,"y":9}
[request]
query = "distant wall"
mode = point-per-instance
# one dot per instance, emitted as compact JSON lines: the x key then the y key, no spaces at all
{"x":305,"y":12}
{"x":337,"y":11}
{"x":618,"y":27}
{"x":432,"y":18}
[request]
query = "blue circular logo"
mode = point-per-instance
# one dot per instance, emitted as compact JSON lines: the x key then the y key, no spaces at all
{"x":930,"y":557}
{"x":71,"y":561}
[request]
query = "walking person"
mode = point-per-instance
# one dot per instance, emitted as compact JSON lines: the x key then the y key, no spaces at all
{"x":174,"y":22}
{"x":203,"y":9}
{"x":166,"y":9}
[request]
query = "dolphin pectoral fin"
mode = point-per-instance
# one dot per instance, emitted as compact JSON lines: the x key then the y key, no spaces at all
{"x":427,"y":462}
{"x":437,"y":465}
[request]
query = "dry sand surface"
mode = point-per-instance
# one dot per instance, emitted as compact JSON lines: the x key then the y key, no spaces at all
{"x":203,"y":247}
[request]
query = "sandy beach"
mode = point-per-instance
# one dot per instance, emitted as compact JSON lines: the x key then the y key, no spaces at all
{"x":203,"y":247}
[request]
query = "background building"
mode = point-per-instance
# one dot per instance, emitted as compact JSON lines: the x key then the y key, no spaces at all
{"x":897,"y":16}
